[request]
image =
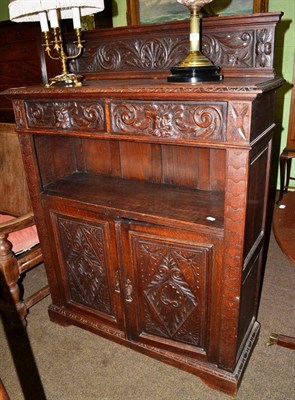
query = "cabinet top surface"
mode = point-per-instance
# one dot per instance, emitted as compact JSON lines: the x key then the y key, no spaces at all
{"x":157,"y":87}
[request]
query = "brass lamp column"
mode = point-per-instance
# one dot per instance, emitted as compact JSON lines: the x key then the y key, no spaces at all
{"x":195,"y":67}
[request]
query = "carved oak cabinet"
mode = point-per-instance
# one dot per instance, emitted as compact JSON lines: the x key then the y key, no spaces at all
{"x":150,"y":200}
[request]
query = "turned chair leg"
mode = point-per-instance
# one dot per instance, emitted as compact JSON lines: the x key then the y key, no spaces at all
{"x":289,"y":162}
{"x":283,"y":161}
{"x":281,"y":340}
{"x":13,"y":309}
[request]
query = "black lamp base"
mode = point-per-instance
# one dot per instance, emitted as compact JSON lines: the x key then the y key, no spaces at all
{"x":195,"y":74}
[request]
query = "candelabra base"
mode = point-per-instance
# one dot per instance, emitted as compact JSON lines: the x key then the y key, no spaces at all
{"x":66,"y":79}
{"x":195,"y":74}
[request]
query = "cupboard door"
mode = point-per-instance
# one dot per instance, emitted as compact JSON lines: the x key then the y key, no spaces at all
{"x":88,"y":269}
{"x":167,"y":287}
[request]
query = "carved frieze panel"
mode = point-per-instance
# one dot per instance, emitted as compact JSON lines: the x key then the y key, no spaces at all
{"x":197,"y":120}
{"x":230,"y":46}
{"x":83,"y":247}
{"x":65,"y":115}
{"x":172,"y":281}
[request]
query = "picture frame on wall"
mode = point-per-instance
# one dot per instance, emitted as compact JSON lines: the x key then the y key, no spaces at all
{"x":153,"y":11}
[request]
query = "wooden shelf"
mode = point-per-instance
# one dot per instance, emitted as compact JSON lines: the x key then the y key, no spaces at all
{"x":145,"y":201}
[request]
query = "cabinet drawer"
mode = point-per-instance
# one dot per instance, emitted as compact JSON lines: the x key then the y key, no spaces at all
{"x":174,"y":120}
{"x":66,"y":115}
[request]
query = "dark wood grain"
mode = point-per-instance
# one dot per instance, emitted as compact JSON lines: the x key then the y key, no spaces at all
{"x":150,"y":202}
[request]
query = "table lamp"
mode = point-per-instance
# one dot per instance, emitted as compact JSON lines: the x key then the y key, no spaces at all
{"x":48,"y":13}
{"x":195,"y":67}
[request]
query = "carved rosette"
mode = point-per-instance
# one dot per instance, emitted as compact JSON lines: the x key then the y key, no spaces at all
{"x":83,"y":251}
{"x":264,"y":48}
{"x":72,"y":115}
{"x":169,"y":120}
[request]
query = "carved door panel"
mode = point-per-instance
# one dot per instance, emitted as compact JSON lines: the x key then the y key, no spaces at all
{"x":87,"y":258}
{"x":167,"y":288}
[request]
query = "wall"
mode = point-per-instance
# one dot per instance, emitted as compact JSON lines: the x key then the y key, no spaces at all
{"x":119,"y":13}
{"x":4,"y":15}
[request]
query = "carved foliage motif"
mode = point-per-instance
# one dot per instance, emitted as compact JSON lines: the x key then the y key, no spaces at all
{"x":252,"y":48}
{"x":83,"y":250}
{"x":65,"y":115}
{"x":159,"y":119}
{"x":172,"y":282}
{"x":233,"y":49}
{"x":132,"y":54}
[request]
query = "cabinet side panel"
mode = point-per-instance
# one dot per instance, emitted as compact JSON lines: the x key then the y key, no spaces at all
{"x":249,"y":299}
{"x":255,"y":236}
{"x":257,"y":193}
{"x":262,"y":114}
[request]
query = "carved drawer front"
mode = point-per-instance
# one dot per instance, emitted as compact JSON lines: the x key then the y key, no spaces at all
{"x":179,"y":120}
{"x":168,"y":303}
{"x":88,"y":263}
{"x":66,"y":115}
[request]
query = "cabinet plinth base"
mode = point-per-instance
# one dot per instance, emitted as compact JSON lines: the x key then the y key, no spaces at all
{"x":217,"y":378}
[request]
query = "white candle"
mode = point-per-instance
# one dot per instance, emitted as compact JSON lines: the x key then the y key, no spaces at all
{"x":43,"y":22}
{"x":53,"y":18}
{"x":76,"y":17}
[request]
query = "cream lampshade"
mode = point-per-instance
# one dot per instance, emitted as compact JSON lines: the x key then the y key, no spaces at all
{"x":48,"y":13}
{"x":28,"y":10}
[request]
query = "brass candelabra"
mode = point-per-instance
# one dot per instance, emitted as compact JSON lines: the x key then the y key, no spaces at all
{"x":56,"y":45}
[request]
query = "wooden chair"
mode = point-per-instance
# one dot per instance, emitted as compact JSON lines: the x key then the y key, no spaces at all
{"x":19,"y":244}
{"x":289,"y":151}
